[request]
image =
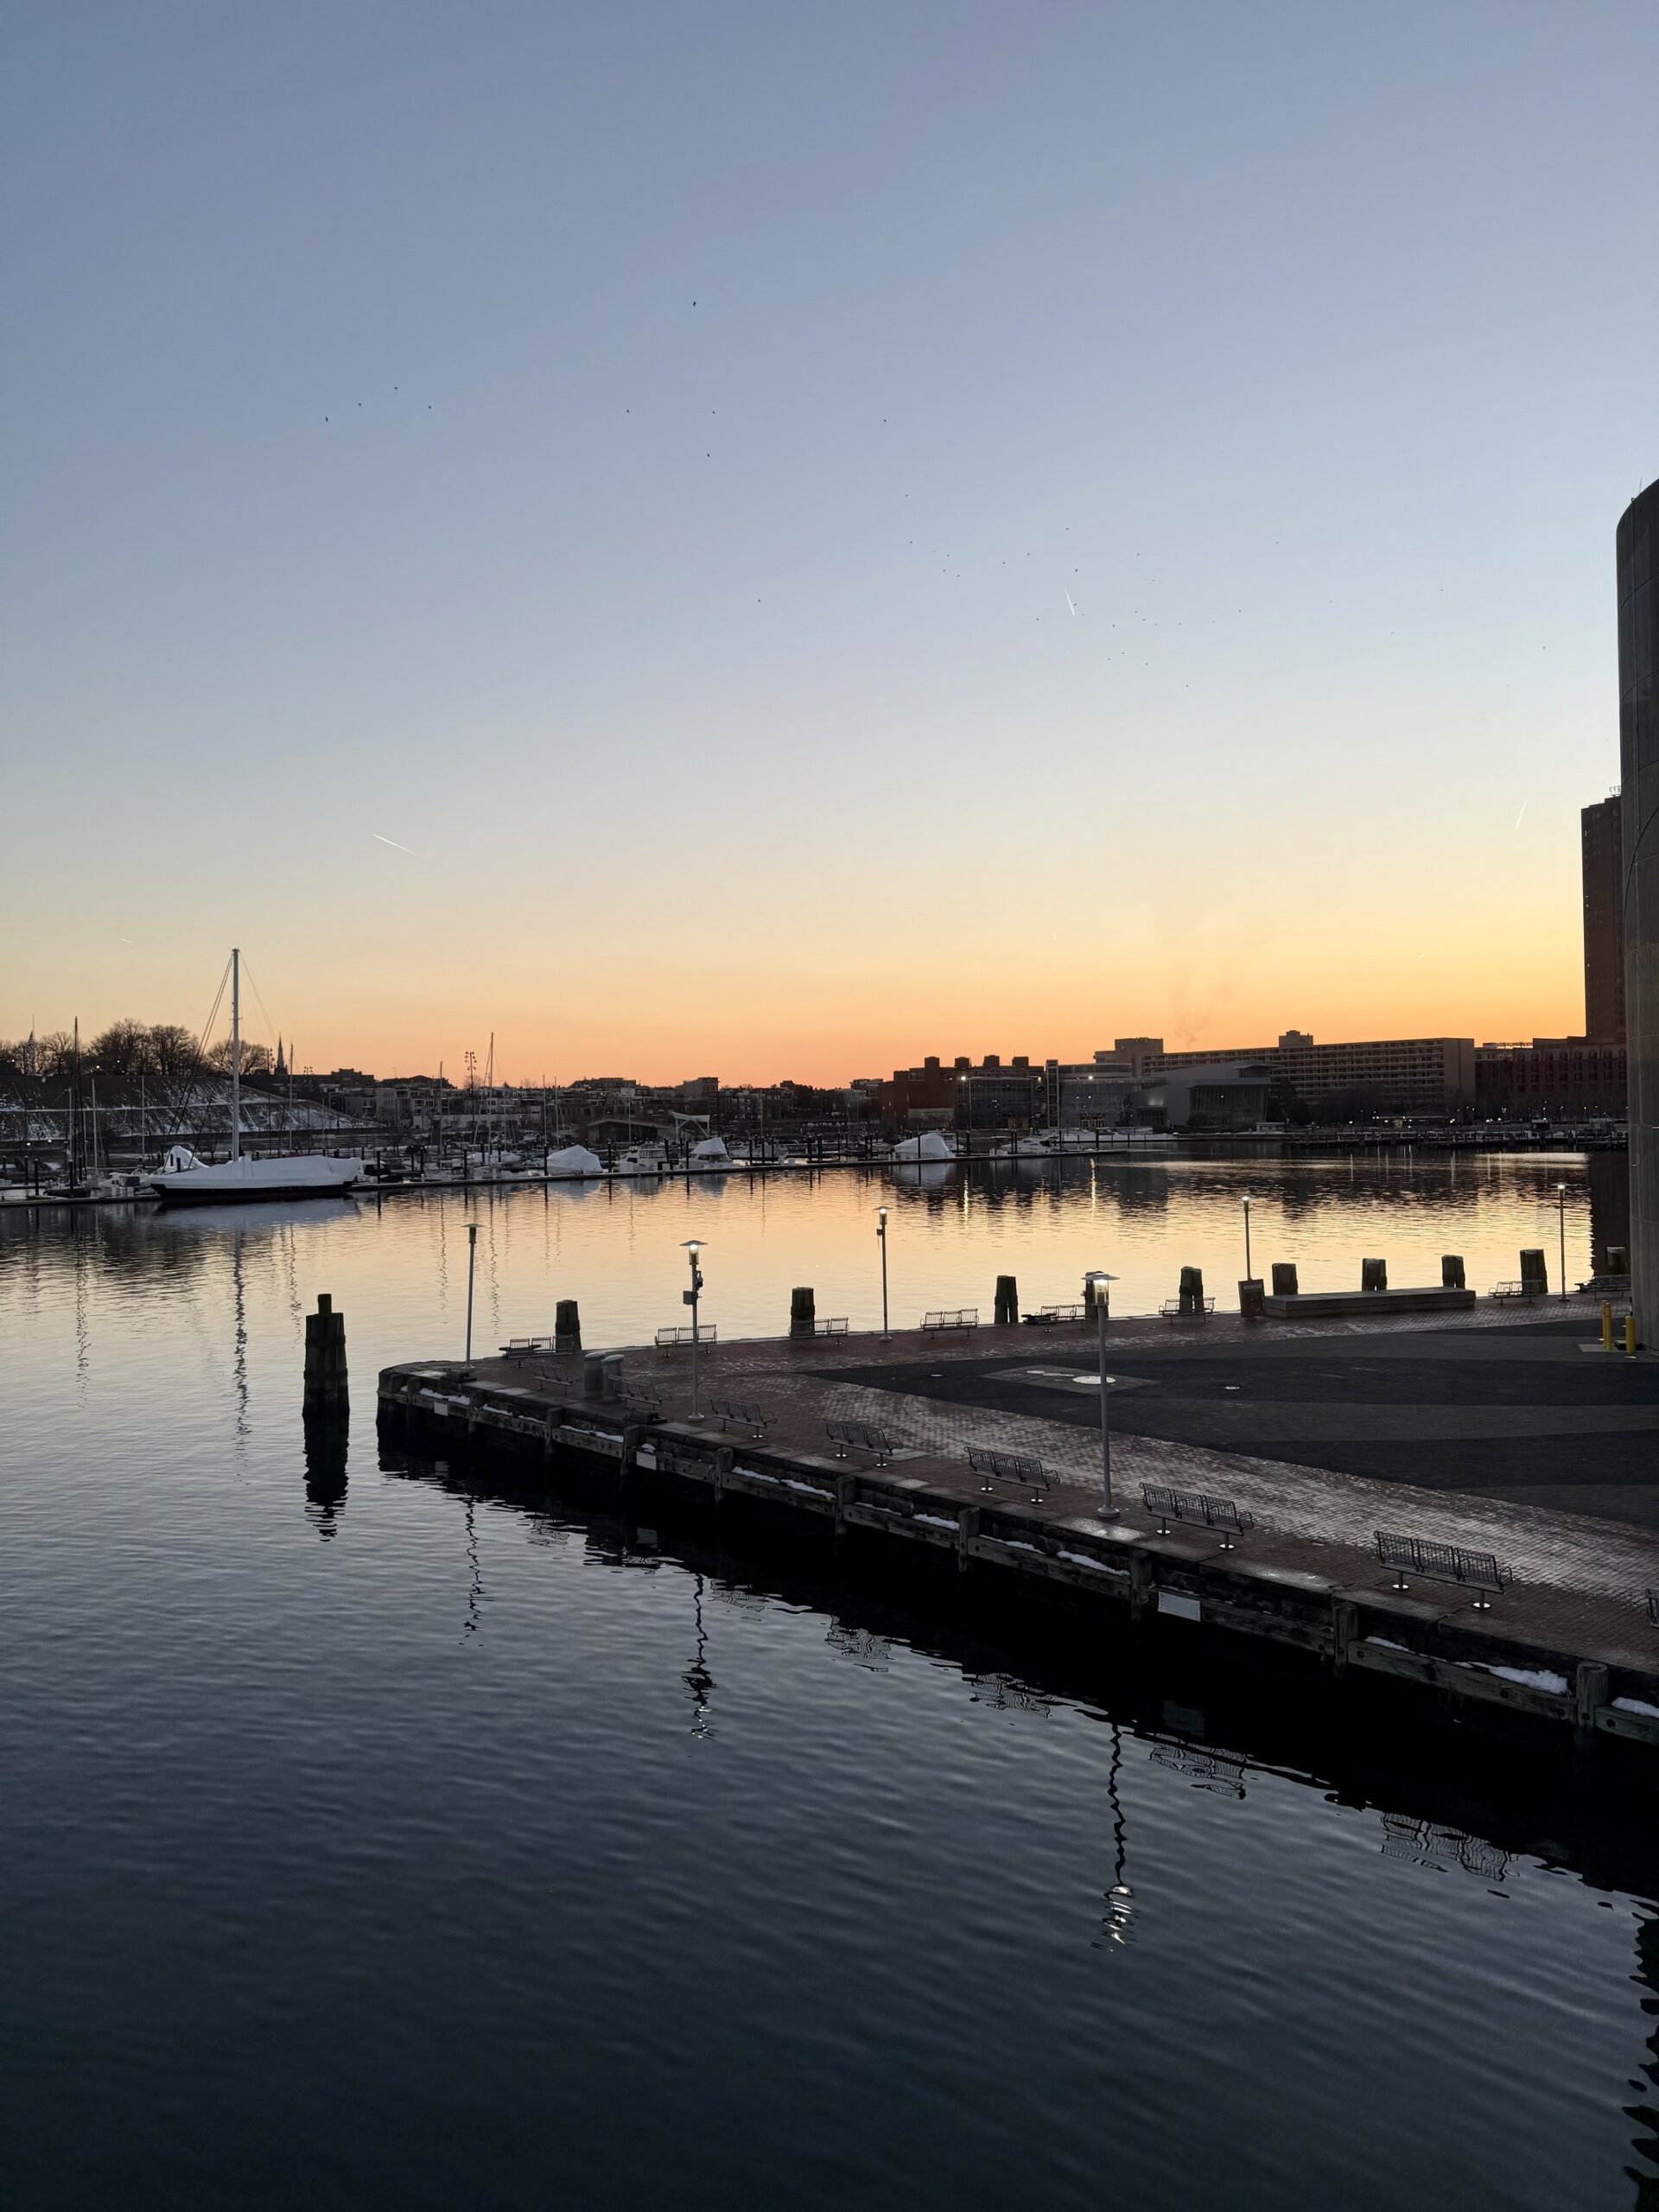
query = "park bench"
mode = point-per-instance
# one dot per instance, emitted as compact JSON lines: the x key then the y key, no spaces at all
{"x":1173,"y":1310}
{"x":668,"y":1339}
{"x":525,"y":1347}
{"x":835,"y":1326}
{"x":1193,"y":1507}
{"x":642,"y":1398}
{"x":993,"y":1467}
{"x":1416,"y":1555}
{"x":738,"y":1409}
{"x":859,"y":1436}
{"x":1518,"y":1290}
{"x":949,"y":1317}
{"x":1050,"y":1317}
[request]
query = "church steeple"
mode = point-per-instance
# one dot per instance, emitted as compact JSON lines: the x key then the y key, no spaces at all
{"x":281,"y":1065}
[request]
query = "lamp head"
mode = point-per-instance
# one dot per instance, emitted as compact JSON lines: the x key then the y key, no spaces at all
{"x":693,"y":1245}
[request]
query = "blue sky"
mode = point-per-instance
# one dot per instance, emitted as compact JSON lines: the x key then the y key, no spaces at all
{"x":832,"y":533}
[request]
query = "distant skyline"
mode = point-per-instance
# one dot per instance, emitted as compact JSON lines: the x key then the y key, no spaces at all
{"x":766,"y":543}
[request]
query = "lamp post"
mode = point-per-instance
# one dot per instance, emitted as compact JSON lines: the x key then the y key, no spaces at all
{"x":1561,"y":1216}
{"x":471,"y":1257}
{"x":692,"y":1246}
{"x":881,"y":1239}
{"x":1248,"y":1277}
{"x":1097,"y":1280}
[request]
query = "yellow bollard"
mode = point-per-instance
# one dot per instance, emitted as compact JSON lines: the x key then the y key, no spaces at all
{"x":1630,"y":1332}
{"x":1607,"y":1324}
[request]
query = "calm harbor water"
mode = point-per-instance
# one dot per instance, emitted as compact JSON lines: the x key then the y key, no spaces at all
{"x":370,"y":1840}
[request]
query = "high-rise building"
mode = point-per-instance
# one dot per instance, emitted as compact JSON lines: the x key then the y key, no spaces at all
{"x":1638,"y":551}
{"x":1602,"y":839}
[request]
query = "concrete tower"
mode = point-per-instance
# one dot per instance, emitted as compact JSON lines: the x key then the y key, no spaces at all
{"x":1638,"y":746}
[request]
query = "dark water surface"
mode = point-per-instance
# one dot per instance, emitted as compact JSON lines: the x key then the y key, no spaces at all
{"x":383,"y":1843}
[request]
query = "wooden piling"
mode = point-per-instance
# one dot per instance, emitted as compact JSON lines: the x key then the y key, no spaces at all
{"x":1007,"y":1301}
{"x":567,"y":1327}
{"x":326,"y":1390}
{"x":802,"y":1317}
{"x":1373,"y":1274}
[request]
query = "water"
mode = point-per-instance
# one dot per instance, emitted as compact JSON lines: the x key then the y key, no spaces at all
{"x":399,"y":1845}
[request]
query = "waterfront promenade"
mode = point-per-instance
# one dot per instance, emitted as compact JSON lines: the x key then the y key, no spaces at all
{"x":1306,"y":1572}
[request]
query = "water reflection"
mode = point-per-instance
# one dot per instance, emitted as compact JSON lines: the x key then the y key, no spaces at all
{"x":326,"y":1445}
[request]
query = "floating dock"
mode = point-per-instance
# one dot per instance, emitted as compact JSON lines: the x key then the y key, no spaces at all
{"x":1569,"y":1640}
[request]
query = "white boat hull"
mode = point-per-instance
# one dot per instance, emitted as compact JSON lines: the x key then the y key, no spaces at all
{"x":318,"y":1176}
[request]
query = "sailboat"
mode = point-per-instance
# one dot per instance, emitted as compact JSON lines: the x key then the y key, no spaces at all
{"x":185,"y":1182}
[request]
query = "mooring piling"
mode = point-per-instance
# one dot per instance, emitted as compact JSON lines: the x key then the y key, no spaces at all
{"x":325,"y":1391}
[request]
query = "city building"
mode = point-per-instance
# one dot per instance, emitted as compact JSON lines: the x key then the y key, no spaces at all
{"x":988,"y":1096}
{"x":1552,"y":1078}
{"x":1637,"y":548}
{"x":1088,"y":1094}
{"x":1601,"y":838}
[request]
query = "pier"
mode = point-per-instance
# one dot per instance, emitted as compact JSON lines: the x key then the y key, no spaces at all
{"x":977,"y":1455}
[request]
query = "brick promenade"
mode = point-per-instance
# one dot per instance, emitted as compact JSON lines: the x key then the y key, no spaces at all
{"x":1579,"y":1581}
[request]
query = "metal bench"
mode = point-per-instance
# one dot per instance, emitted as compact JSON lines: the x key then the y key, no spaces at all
{"x":993,"y":1467}
{"x":737,"y":1409}
{"x":1476,"y":1571}
{"x":1050,"y":1317}
{"x":1519,"y":1290}
{"x":836,"y":1327}
{"x":525,"y":1347}
{"x":959,"y":1317}
{"x":668,"y":1339}
{"x":859,"y":1436}
{"x":1173,"y":1310}
{"x":1193,"y":1507}
{"x":642,"y":1398}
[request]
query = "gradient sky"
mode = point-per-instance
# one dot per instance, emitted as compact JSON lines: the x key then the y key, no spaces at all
{"x":638,"y":458}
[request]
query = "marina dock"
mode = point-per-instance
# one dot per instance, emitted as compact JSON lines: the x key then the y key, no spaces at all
{"x":976,"y":1453}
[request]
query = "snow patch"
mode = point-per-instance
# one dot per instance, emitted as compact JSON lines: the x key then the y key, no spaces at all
{"x":1637,"y":1705}
{"x":1529,"y":1678}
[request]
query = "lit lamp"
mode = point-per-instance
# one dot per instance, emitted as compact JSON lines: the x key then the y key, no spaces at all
{"x":881,"y":1239}
{"x":691,"y":1247}
{"x":1097,"y":1280}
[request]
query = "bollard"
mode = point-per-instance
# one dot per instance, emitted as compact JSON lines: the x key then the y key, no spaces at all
{"x":592,"y":1374}
{"x":1618,"y":1260}
{"x":1373,"y":1274}
{"x":1534,"y":1276}
{"x":1251,"y":1297}
{"x":1630,"y":1332}
{"x":1008,"y":1301}
{"x":1192,"y":1293}
{"x":610,"y":1378}
{"x":1607,"y":1324}
{"x":1284,"y":1278}
{"x":803,"y":1318}
{"x":325,"y":1359}
{"x":1452,"y":1271}
{"x":567,"y":1327}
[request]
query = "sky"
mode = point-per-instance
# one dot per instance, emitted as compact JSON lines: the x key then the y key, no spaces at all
{"x":769,"y":541}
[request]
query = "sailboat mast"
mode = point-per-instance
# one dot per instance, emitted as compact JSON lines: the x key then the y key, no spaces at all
{"x":236,"y":1053}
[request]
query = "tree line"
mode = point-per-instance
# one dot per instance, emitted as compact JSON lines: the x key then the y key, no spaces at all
{"x":127,"y":1061}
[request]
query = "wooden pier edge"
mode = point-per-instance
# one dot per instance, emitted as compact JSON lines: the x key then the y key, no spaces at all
{"x":1143,"y":1578}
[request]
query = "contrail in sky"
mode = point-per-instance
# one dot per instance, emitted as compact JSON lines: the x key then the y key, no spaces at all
{"x":1068,"y":601}
{"x":396,"y":847}
{"x":1523,"y":808}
